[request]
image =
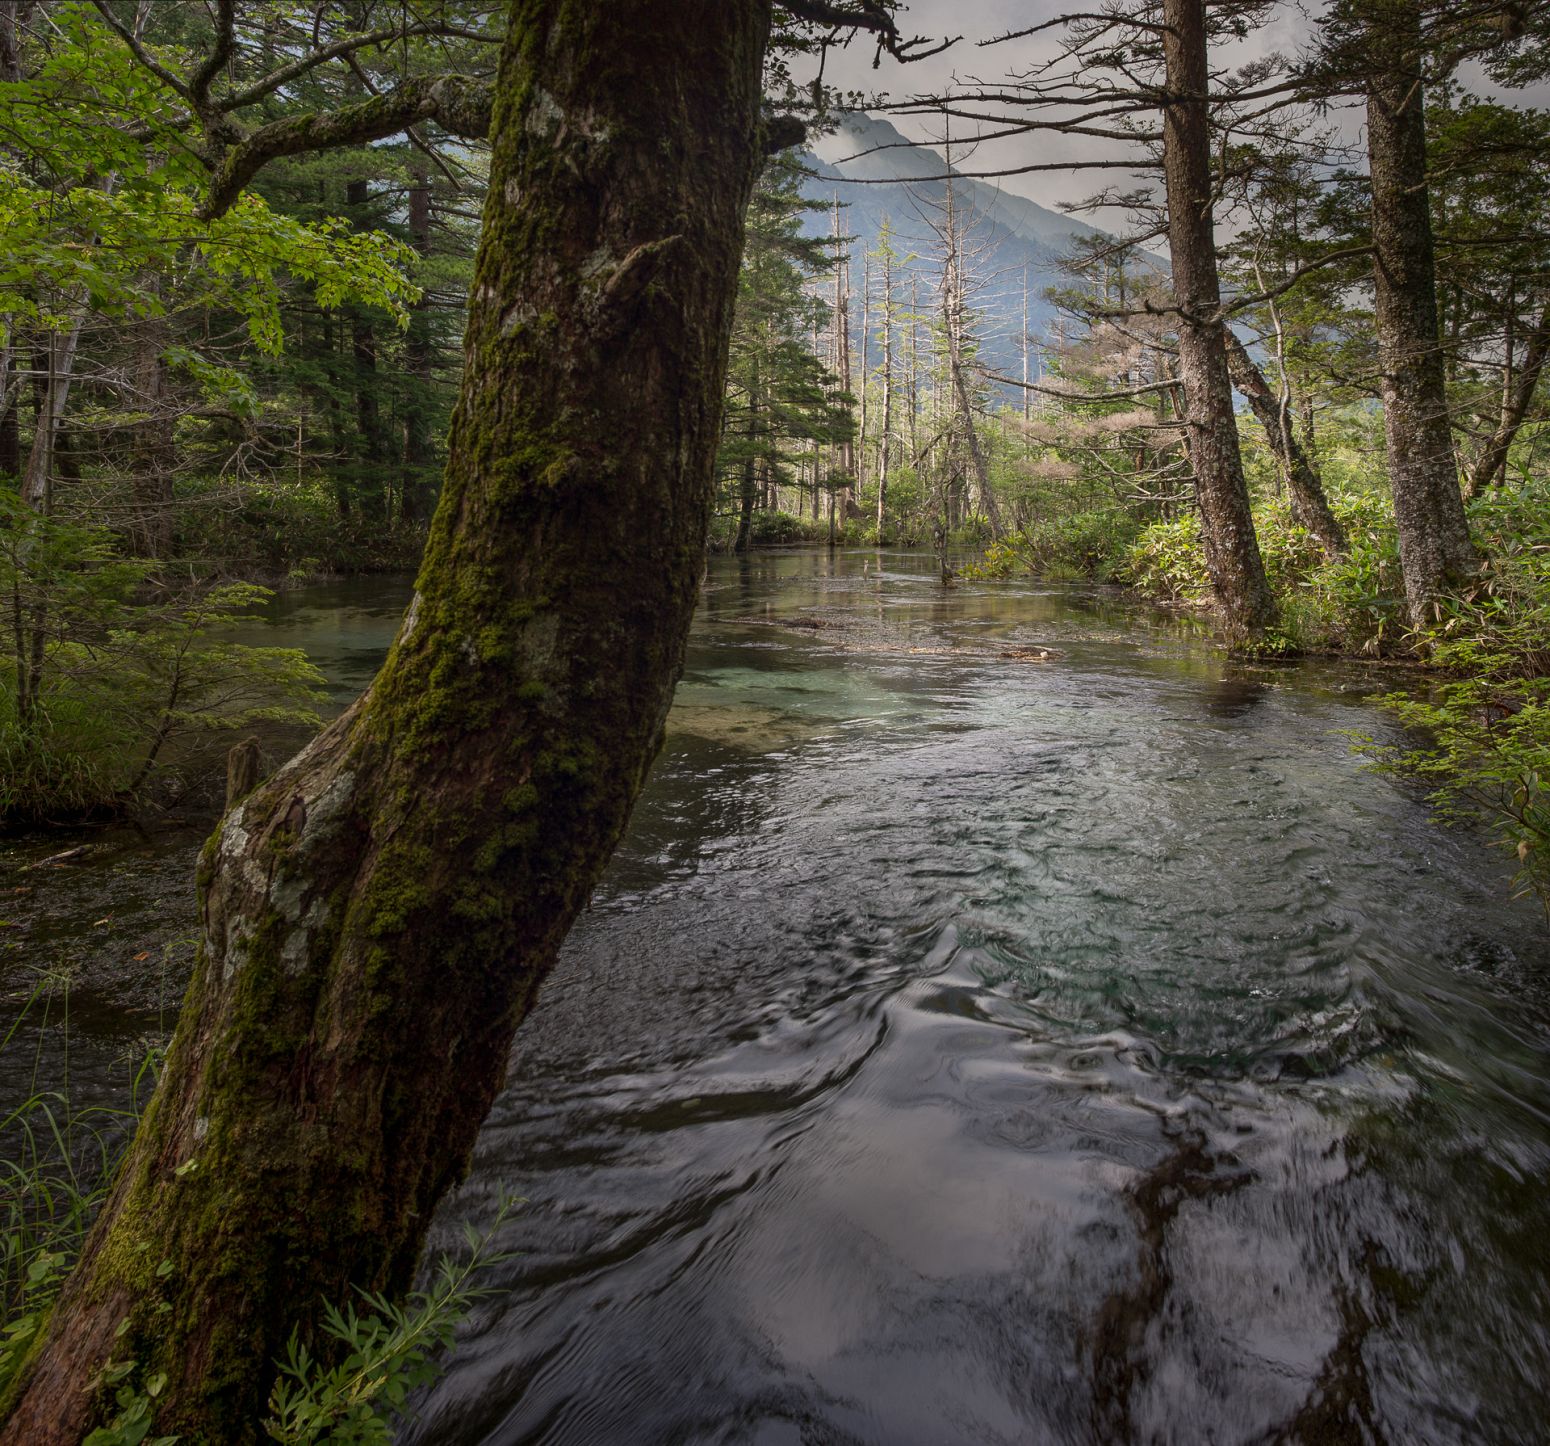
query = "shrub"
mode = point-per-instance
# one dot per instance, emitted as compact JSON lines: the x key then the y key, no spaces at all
{"x":1081,"y":545}
{"x":109,"y":689}
{"x":1489,"y":759}
{"x":1489,"y":722}
{"x":775,"y":529}
{"x":287,"y":527}
{"x":1166,"y":561}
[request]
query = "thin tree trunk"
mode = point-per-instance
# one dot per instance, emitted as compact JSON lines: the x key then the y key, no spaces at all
{"x":371,"y":451}
{"x":885,"y":441}
{"x":152,"y":458}
{"x":952,"y":316}
{"x":1227,"y":525}
{"x":866,"y":321}
{"x":38,"y":479}
{"x":1490,"y":467}
{"x":1435,"y":551}
{"x":914,"y":369}
{"x":37,"y":493}
{"x":10,"y":409}
{"x":413,"y":493}
{"x":377,"y":916}
{"x":1310,"y":507}
{"x":750,"y":475}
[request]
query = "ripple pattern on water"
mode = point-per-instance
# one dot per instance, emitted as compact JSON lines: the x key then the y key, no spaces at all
{"x":961,"y":1052}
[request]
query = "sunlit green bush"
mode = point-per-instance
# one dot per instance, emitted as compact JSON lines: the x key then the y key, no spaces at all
{"x":1166,"y":561}
{"x":1079,"y":546}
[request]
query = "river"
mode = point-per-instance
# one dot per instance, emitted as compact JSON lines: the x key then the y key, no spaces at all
{"x":968,"y":1046}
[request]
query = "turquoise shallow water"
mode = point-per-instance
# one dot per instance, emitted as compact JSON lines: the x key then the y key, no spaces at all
{"x":964,"y":1047}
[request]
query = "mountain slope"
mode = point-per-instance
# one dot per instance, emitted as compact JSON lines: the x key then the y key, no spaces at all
{"x":877,"y":174}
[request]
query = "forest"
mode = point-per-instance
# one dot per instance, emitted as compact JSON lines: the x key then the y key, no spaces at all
{"x":1020,"y":731}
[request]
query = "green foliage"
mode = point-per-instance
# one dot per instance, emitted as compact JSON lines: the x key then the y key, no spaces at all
{"x":1489,"y":723}
{"x":286,"y":526}
{"x":1489,"y":758}
{"x":1355,"y":603}
{"x":384,"y":1353}
{"x":108,"y":692}
{"x":99,"y":217}
{"x":283,"y":337}
{"x":1082,"y":545}
{"x":773,"y":529}
{"x":781,"y":402}
{"x":1166,"y":561}
{"x":131,"y":1423}
{"x":1351,"y":604}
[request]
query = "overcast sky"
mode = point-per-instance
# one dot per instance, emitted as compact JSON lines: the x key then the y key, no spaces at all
{"x":969,"y":61}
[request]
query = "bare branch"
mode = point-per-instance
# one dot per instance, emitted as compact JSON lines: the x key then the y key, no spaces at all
{"x":867,"y":15}
{"x":345,"y":45}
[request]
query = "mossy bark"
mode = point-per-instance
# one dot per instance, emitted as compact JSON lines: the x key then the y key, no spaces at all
{"x":1435,"y":551}
{"x":377,"y":916}
{"x":1231,"y":547}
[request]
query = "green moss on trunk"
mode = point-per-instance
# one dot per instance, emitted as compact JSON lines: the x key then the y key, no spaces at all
{"x":378,"y":915}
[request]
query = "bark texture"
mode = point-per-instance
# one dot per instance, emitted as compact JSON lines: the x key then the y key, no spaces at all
{"x":378,"y":914}
{"x":1434,"y":547}
{"x":1226,"y":523}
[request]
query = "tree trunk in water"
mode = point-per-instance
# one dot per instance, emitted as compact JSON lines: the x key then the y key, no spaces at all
{"x":952,"y":317}
{"x":1310,"y":507}
{"x":977,"y":458}
{"x":886,"y":439}
{"x":1227,"y":525}
{"x":1434,"y":547}
{"x":376,"y":917}
{"x":862,"y":358}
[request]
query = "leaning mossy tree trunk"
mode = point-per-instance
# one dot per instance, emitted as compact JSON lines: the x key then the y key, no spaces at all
{"x":377,"y":916}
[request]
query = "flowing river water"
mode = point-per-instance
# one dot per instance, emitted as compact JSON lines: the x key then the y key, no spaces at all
{"x":967,"y":1046}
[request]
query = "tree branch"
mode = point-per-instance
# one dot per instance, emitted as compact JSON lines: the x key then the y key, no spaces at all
{"x":458,"y":103}
{"x":868,"y":15}
{"x":169,"y":78}
{"x":345,"y":45}
{"x":214,"y":63}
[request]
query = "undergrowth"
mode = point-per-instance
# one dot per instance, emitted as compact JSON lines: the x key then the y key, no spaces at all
{"x":349,"y":1386}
